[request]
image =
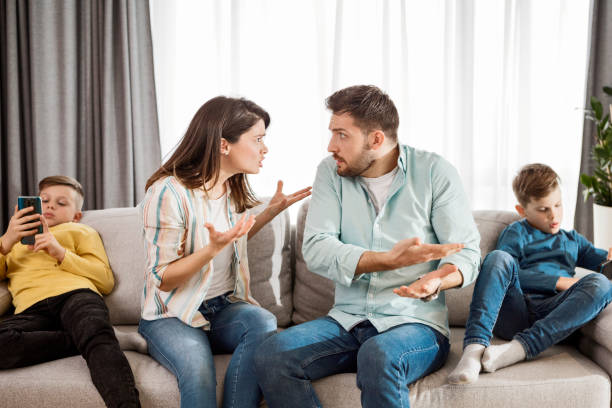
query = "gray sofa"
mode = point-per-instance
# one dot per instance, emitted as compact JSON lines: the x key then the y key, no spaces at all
{"x":561,"y":377}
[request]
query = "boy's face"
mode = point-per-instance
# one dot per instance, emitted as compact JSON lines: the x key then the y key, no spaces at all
{"x":545,"y":213}
{"x":59,"y":205}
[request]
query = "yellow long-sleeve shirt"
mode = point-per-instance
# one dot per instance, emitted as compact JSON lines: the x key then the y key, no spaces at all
{"x":34,"y":276}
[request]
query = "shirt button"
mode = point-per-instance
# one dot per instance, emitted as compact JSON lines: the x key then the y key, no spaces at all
{"x":369,"y":314}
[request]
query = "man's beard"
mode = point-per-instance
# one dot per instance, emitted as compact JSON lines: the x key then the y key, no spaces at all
{"x":362,"y":163}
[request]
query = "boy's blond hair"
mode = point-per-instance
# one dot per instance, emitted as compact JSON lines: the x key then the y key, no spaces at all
{"x":64,"y":181}
{"x":534,"y":181}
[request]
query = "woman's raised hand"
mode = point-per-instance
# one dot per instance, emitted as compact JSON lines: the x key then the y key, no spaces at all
{"x":280,"y":201}
{"x":218,"y":240}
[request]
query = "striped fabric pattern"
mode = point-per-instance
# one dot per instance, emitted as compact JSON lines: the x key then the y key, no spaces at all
{"x":173,"y":218}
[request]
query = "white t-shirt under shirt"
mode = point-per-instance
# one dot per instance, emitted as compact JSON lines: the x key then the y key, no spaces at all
{"x":378,"y":187}
{"x":223,"y":278}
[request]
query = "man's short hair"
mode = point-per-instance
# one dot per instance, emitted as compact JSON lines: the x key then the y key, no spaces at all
{"x":369,"y":106}
{"x":64,"y":181}
{"x":534,"y":181}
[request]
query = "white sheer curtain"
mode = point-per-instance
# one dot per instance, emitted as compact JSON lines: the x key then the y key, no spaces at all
{"x":489,"y":84}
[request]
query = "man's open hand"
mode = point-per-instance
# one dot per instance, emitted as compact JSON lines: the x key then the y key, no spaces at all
{"x":428,"y":285}
{"x":412,"y":251}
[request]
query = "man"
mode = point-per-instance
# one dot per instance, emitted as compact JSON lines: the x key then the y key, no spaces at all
{"x":381,"y":216}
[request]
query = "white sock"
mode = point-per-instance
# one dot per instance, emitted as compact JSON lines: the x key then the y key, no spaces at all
{"x":503,"y":355}
{"x":468,"y":368}
{"x":131,"y":341}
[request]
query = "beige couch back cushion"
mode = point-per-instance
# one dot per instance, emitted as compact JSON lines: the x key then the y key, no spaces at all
{"x":313,"y":295}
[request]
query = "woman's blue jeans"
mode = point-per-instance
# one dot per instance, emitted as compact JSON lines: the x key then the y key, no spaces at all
{"x":385,"y":363}
{"x":186,"y":351}
{"x":499,"y":306}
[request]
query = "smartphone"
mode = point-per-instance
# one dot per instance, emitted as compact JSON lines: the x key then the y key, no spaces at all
{"x":606,"y":269}
{"x":30,"y":201}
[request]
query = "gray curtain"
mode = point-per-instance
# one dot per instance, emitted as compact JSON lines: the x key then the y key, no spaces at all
{"x":599,"y":75}
{"x":77,"y":97}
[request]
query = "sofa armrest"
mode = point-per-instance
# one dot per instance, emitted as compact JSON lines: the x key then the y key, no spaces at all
{"x":5,"y":298}
{"x":599,"y":330}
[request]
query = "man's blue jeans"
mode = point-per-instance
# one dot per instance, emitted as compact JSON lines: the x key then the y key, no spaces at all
{"x":499,"y":306}
{"x":385,"y":362}
{"x":237,"y":328}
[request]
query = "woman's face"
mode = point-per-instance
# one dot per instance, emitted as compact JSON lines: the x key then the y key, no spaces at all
{"x":247,"y":154}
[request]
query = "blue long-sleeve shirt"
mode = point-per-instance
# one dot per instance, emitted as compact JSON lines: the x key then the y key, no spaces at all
{"x":543,"y":258}
{"x":426,"y":200}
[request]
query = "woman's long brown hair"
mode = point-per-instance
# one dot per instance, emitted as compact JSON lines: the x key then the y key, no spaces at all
{"x":197,"y":160}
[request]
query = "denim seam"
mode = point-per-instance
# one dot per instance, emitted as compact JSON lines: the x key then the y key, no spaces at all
{"x":151,"y":344}
{"x":475,"y":340}
{"x":235,"y":384}
{"x":401,"y":357}
{"x":318,"y":356}
{"x":501,"y":303}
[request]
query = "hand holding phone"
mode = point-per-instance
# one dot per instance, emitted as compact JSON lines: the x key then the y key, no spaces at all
{"x":35,"y":202}
{"x":606,"y":268}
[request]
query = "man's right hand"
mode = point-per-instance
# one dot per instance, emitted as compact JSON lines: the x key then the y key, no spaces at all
{"x":412,"y":251}
{"x":19,"y":227}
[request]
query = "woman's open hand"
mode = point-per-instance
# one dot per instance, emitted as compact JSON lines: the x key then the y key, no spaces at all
{"x":280,"y":201}
{"x":218,"y":240}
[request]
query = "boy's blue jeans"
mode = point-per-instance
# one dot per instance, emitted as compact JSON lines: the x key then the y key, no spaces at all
{"x":499,"y":306}
{"x":386,"y":362}
{"x":187,"y":351}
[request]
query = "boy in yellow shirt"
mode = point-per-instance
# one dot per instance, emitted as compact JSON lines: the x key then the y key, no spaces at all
{"x":56,"y":286}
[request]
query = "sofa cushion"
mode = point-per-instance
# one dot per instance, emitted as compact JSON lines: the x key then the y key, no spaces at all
{"x":121,"y":234}
{"x":313,"y":295}
{"x":560,"y":376}
{"x":270,"y":253}
{"x":490,"y":224}
{"x":600,"y":328}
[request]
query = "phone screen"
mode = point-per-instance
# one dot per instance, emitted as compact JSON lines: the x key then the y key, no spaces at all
{"x":30,"y":201}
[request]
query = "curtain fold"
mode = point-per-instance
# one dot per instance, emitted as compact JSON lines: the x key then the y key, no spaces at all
{"x":599,"y":75}
{"x":77,"y":97}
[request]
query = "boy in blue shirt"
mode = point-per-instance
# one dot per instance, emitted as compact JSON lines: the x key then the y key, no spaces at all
{"x":526,"y":291}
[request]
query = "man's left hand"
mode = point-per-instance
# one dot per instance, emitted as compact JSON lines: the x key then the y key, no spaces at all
{"x":428,"y":285}
{"x":47,"y":242}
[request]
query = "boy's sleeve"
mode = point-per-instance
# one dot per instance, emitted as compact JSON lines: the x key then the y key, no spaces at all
{"x":164,"y":229}
{"x":589,"y":257}
{"x":452,"y":220}
{"x":512,"y":240}
{"x":90,"y":261}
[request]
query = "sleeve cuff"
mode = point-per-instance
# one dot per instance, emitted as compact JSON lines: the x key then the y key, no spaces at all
{"x":67,"y":263}
{"x":468,"y":270}
{"x":348,"y":264}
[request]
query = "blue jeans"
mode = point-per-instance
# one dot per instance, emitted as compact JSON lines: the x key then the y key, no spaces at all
{"x":385,"y":362}
{"x":499,"y":306}
{"x":187,"y":351}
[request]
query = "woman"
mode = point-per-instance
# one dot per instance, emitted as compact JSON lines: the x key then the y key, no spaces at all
{"x":196,"y":299}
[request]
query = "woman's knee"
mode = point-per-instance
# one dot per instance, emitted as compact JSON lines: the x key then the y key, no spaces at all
{"x":258,"y":320}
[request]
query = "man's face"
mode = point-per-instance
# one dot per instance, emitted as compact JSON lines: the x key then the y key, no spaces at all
{"x":546,"y":213}
{"x":59,"y":205}
{"x":349,"y":146}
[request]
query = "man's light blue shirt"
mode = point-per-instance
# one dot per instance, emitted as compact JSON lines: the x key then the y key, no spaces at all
{"x":426,"y":200}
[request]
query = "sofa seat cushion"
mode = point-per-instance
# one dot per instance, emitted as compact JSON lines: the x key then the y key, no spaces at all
{"x":561,"y":376}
